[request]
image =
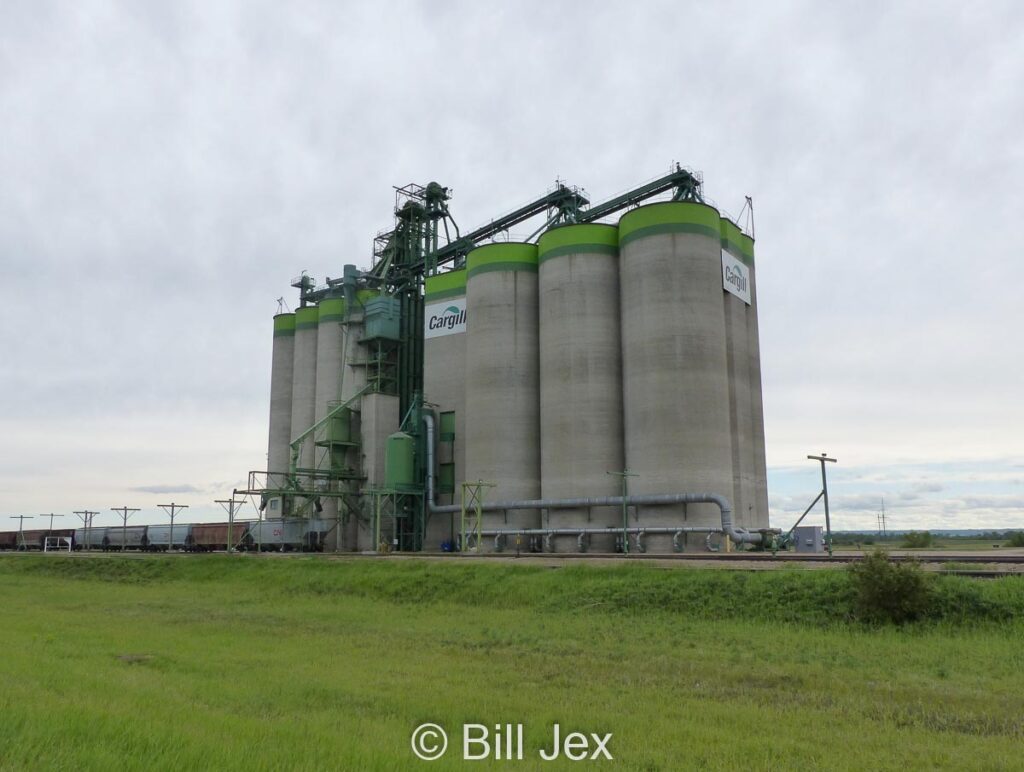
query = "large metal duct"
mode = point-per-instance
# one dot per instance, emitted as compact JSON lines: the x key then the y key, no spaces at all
{"x":737,"y":298}
{"x":330,"y":355}
{"x":580,"y":376}
{"x":304,"y":383}
{"x":372,"y":423}
{"x":675,"y":370}
{"x":444,"y":387}
{"x":281,"y":368}
{"x":502,"y":397}
{"x":358,"y":532}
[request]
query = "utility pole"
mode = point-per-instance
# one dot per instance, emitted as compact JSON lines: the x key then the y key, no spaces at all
{"x":86,"y":516}
{"x":231,"y":506}
{"x":171,"y":509}
{"x":625,"y":474}
{"x":49,"y":531}
{"x":21,"y":528}
{"x":822,"y":459}
{"x":124,"y":513}
{"x":51,"y":516}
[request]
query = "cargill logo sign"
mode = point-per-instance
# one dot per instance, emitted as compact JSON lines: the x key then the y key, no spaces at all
{"x":445,"y":318}
{"x":735,"y":277}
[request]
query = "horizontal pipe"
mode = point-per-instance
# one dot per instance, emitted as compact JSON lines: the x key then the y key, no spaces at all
{"x":738,"y":536}
{"x":611,"y":530}
{"x":580,"y":532}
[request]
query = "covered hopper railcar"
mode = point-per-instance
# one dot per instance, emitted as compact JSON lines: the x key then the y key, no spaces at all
{"x":132,"y":537}
{"x":160,"y":539}
{"x":210,"y":537}
{"x":286,"y":536}
{"x":90,"y":538}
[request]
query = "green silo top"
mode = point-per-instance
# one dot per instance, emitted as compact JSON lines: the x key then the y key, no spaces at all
{"x":306,"y":317}
{"x":445,"y":285}
{"x":592,"y":238}
{"x":737,"y":242}
{"x":284,"y":324}
{"x":670,"y":217}
{"x":332,"y":310}
{"x":511,"y":256}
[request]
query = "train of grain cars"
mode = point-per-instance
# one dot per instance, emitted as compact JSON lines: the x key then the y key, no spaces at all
{"x":266,"y":535}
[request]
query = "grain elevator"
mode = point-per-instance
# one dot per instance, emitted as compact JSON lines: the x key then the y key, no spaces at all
{"x":593,"y":387}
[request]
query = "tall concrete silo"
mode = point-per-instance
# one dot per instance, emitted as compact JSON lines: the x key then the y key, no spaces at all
{"x":304,"y":383}
{"x":675,"y":369}
{"x":580,"y":375}
{"x":502,"y":395}
{"x":330,"y":354}
{"x":281,"y":369}
{"x":737,"y":299}
{"x":444,"y":386}
{"x":756,"y":397}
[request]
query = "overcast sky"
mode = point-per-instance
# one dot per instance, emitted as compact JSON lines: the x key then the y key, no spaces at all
{"x":167,"y":168}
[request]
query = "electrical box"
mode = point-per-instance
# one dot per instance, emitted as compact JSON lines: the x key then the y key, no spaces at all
{"x":809,"y":538}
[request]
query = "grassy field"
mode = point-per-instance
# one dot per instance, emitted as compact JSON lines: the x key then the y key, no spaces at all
{"x":938,"y":543}
{"x":211,"y":662}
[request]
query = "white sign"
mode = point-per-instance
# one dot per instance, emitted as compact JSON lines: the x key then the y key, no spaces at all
{"x":447,"y":317}
{"x":735,"y":277}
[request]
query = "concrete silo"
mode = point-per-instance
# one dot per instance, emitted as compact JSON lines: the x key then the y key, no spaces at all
{"x":330,"y":356}
{"x":502,"y":395}
{"x":281,"y":369}
{"x":737,"y":299}
{"x":304,"y":383}
{"x":444,"y":387}
{"x":674,"y":359}
{"x":580,"y":376}
{"x":760,"y":500}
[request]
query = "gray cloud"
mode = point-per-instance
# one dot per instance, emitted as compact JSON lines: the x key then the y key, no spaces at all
{"x":165,"y":489}
{"x":165,"y":168}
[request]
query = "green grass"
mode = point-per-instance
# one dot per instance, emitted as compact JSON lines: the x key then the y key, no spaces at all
{"x":244,"y":663}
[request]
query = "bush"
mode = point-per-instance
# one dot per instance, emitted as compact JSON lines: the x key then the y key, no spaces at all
{"x":889,"y":592}
{"x":1017,"y":539}
{"x":917,"y":539}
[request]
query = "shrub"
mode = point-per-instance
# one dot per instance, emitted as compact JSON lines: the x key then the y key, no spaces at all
{"x":889,"y":592}
{"x":917,"y":539}
{"x":1017,"y":539}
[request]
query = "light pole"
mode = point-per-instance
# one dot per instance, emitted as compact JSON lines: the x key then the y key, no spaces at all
{"x":823,"y":458}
